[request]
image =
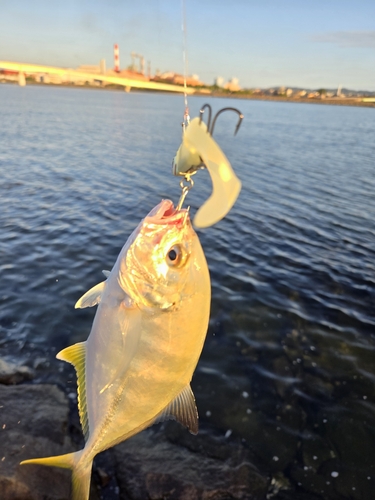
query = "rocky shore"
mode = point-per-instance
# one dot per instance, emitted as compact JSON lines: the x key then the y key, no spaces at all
{"x":163,"y":462}
{"x":335,"y":101}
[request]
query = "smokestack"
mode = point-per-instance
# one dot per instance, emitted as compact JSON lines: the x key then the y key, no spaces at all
{"x":117,"y":58}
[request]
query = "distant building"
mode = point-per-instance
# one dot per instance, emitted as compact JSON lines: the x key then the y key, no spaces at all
{"x":176,"y":79}
{"x":127,"y":73}
{"x":89,"y":68}
{"x":167,"y":75}
{"x":55,"y":79}
{"x":232,"y":85}
{"x":289,"y":92}
{"x":219,"y":81}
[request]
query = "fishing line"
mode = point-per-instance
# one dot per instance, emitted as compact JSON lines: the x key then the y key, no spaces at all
{"x":185,"y":62}
{"x":189,"y":183}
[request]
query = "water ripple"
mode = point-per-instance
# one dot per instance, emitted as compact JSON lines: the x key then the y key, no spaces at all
{"x":288,"y":363}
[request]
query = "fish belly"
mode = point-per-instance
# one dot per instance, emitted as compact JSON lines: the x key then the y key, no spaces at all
{"x":167,"y":352}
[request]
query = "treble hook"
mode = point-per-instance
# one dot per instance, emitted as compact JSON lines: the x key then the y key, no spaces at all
{"x":209,"y":115}
{"x":227,"y":109}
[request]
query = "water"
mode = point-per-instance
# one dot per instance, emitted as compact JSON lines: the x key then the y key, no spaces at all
{"x":288,"y":366}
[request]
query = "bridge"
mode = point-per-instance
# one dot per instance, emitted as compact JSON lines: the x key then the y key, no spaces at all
{"x":72,"y":75}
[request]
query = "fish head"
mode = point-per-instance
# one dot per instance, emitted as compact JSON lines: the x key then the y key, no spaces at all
{"x":160,"y":263}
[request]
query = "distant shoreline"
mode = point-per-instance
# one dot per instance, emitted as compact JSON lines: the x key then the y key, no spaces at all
{"x":336,"y":101}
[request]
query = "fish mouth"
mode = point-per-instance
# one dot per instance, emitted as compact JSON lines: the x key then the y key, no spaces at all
{"x":166,"y":213}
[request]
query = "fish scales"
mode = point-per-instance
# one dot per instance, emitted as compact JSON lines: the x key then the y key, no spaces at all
{"x":131,"y":408}
{"x":145,"y":342}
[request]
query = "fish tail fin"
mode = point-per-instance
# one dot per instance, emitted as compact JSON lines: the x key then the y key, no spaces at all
{"x":64,"y":461}
{"x":81,"y":479}
{"x":81,"y":472}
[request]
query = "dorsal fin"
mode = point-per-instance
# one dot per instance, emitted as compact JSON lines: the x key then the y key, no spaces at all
{"x":182,"y":409}
{"x":76,"y":356}
{"x":92,"y":297}
{"x":106,"y":273}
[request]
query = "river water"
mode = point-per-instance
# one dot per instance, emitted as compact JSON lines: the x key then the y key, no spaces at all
{"x":288,"y":366}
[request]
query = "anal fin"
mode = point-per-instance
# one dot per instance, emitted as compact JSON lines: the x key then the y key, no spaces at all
{"x":76,"y":356}
{"x":183,"y":409}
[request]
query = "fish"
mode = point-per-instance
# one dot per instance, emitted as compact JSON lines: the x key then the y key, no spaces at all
{"x":148,"y":332}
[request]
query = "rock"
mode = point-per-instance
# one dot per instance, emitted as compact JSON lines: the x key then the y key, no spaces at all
{"x":157,"y":463}
{"x":279,"y":484}
{"x":150,"y":466}
{"x":33,"y":423}
{"x":12,"y":373}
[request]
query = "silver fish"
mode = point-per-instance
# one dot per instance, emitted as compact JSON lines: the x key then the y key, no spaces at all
{"x":136,"y":366}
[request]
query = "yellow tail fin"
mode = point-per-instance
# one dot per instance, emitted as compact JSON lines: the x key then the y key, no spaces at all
{"x":81,"y":472}
{"x":63,"y":461}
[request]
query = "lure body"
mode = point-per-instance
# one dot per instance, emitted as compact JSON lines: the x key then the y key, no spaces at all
{"x":199,"y":150}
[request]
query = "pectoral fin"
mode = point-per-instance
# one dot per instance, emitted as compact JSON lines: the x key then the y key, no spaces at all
{"x":92,"y":297}
{"x":183,"y":409}
{"x":76,"y":356}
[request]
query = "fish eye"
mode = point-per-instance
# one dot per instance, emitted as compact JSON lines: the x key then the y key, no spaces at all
{"x":174,"y":256}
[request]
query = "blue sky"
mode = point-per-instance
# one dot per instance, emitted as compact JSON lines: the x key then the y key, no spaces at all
{"x":264,"y":43}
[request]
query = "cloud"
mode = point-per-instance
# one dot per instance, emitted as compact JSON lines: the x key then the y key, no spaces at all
{"x":347,"y":38}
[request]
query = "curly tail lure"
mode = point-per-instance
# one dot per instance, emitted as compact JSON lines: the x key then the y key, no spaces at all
{"x":199,"y":150}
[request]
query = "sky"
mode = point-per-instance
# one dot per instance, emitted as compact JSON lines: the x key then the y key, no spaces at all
{"x":264,"y":43}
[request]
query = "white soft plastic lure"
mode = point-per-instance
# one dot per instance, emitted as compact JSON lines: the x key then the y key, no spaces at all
{"x":199,"y":150}
{"x":136,"y":366}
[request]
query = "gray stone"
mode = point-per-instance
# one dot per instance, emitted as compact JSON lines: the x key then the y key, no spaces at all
{"x":150,"y":466}
{"x":33,"y":423}
{"x":12,"y":373}
{"x":160,"y":463}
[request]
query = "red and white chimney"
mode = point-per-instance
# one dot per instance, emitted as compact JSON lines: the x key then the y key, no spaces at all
{"x":117,"y":57}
